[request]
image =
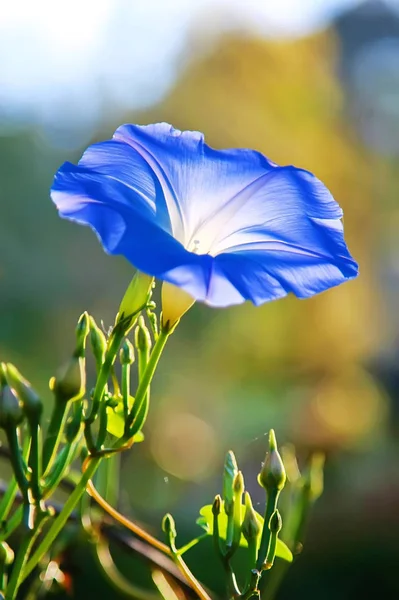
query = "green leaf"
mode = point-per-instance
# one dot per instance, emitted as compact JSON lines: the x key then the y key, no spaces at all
{"x":116,"y":423}
{"x":206,"y":522}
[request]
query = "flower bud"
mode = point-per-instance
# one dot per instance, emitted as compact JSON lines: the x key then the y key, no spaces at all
{"x":175,"y":302}
{"x":229,"y":473}
{"x":126,"y":354}
{"x":136,"y":295}
{"x":216,"y":506}
{"x":71,"y":382}
{"x":98,"y":342}
{"x":82,"y":331}
{"x":272,"y":476}
{"x":142,"y":336}
{"x":250,"y":526}
{"x":32,"y":404}
{"x":238,"y":485}
{"x":11,"y":413}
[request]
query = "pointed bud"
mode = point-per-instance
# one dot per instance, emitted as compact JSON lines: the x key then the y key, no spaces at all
{"x":82,"y":331}
{"x":229,"y":473}
{"x":11,"y":413}
{"x":136,"y":296}
{"x":142,"y":336}
{"x":238,"y":485}
{"x":175,"y":302}
{"x":272,"y":476}
{"x":216,"y":506}
{"x":126,"y":354}
{"x":169,"y":527}
{"x":250,"y":526}
{"x":32,"y":404}
{"x":70,"y":384}
{"x":98,"y":342}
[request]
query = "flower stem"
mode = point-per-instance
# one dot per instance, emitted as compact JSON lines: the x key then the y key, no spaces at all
{"x":271,"y":504}
{"x":54,"y":433}
{"x":12,"y":489}
{"x":124,"y":521}
{"x":22,"y":557}
{"x":62,"y":518}
{"x":137,"y":415}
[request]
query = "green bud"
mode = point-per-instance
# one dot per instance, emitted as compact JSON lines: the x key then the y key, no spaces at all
{"x":142,"y":336}
{"x":32,"y":404}
{"x":238,"y":485}
{"x":98,"y":342}
{"x":82,"y":331}
{"x":169,"y":526}
{"x":275,"y":523}
{"x":11,"y":413}
{"x":71,"y":382}
{"x":272,"y":476}
{"x":229,"y":473}
{"x":250,"y":526}
{"x":216,"y":506}
{"x":126,"y":354}
{"x":136,"y":296}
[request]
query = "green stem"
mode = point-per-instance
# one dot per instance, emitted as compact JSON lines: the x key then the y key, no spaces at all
{"x":232,"y":585}
{"x":17,"y":462}
{"x":114,"y":342}
{"x":62,"y":518}
{"x":64,"y":461}
{"x":54,"y":433}
{"x":22,"y":557}
{"x":8,"y":499}
{"x":112,"y":349}
{"x":271,"y":504}
{"x":144,"y":384}
{"x":125,"y":389}
{"x":192,"y":543}
{"x":35,"y":461}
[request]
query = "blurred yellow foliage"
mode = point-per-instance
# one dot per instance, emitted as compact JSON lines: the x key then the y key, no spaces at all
{"x":284,"y":99}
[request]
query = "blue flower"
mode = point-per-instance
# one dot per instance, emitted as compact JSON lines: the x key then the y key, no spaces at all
{"x":224,"y":225}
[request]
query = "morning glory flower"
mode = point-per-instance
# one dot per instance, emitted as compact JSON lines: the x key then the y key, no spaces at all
{"x":225,"y":226}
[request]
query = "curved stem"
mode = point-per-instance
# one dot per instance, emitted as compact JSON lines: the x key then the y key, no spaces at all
{"x":125,"y":522}
{"x":194,"y":583}
{"x":147,"y":537}
{"x":115,"y":577}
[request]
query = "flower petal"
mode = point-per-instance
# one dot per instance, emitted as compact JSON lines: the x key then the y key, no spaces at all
{"x":198,"y":181}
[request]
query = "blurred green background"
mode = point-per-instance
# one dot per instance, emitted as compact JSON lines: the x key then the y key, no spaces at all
{"x":315,"y":84}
